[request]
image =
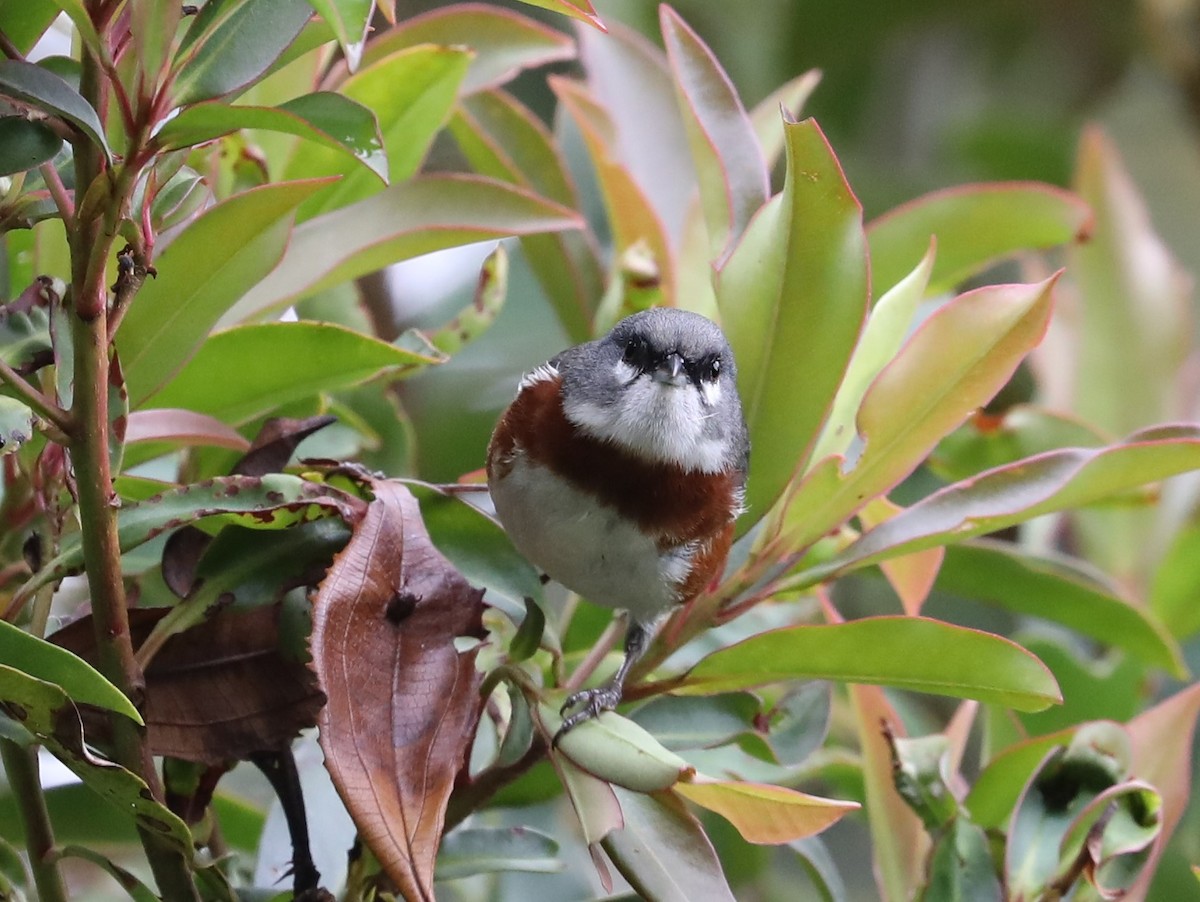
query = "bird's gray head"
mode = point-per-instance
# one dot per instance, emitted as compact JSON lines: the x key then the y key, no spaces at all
{"x":661,"y":384}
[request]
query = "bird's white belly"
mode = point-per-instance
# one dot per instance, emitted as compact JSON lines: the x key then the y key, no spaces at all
{"x":584,"y":545}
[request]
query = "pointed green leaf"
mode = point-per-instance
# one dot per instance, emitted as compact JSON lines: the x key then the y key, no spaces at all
{"x":906,"y":652}
{"x":406,"y":220}
{"x":25,"y":144}
{"x":25,"y":23}
{"x":329,"y":119}
{"x":46,"y":711}
{"x":349,"y":20}
{"x":411,"y":93}
{"x":47,"y":662}
{"x":504,"y":42}
{"x":663,"y":852}
{"x":205,"y":270}
{"x":1057,"y":480}
{"x":247,"y":371}
{"x":232,"y":44}
{"x":793,"y":296}
{"x":766,"y":119}
{"x":37,"y":87}
{"x":729,"y":161}
{"x":955,"y":362}
{"x":975,"y":225}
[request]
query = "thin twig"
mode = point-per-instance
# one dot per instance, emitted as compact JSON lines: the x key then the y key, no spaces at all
{"x":40,"y":404}
{"x":21,"y":766}
{"x":58,"y":191}
{"x":597,"y":654}
{"x":9,"y":49}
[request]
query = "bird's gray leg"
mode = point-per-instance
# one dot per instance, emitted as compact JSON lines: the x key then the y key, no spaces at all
{"x":608,"y":696}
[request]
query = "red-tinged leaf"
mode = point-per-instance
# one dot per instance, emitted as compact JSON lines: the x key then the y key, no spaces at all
{"x":504,"y":42}
{"x":629,"y":78}
{"x":766,"y":120}
{"x":763,"y":813}
{"x":663,"y":852}
{"x":954,"y":363}
{"x":793,"y":297}
{"x":403,"y":702}
{"x":906,"y":652}
{"x":219,"y":692}
{"x":1162,"y":756}
{"x":899,"y":842}
{"x":424,"y":214}
{"x":1135,"y":310}
{"x":183,"y":427}
{"x":1057,"y":480}
{"x":580,"y":9}
{"x":503,"y":139}
{"x":631,"y":216}
{"x":729,"y":161}
{"x":975,"y":225}
{"x":203,"y":272}
{"x":411,"y":93}
{"x":913,"y":575}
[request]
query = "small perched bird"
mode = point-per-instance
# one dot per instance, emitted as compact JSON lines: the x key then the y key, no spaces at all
{"x":619,"y":470}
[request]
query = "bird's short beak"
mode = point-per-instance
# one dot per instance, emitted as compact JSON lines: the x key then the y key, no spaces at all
{"x":670,"y":370}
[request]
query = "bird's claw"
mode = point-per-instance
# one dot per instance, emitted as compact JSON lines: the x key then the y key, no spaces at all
{"x":602,"y":698}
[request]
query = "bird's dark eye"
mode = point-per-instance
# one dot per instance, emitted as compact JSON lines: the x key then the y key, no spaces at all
{"x":637,"y":353}
{"x":712,"y":370}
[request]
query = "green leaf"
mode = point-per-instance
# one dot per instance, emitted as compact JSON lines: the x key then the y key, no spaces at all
{"x":975,"y":225}
{"x":231,"y":44}
{"x":793,"y":296}
{"x":490,"y":850}
{"x":617,"y":751}
{"x":955,"y":362}
{"x":663,"y":852}
{"x":999,"y":786}
{"x":504,"y":43}
{"x":1005,"y":496}
{"x":203,"y":272}
{"x":503,"y":139}
{"x":137,"y":890}
{"x":16,"y":424}
{"x":331,"y":120}
{"x":762,"y":812}
{"x":247,"y":371}
{"x":76,"y":677}
{"x":729,"y":161}
{"x":46,"y":711}
{"x":82,"y":20}
{"x":24,"y":336}
{"x":406,"y":220}
{"x":349,"y":20}
{"x":961,"y":868}
{"x":411,"y":93}
{"x":25,"y":144}
{"x":24,"y":23}
{"x":1056,"y":589}
{"x":681,"y":722}
{"x":769,"y":125}
{"x":274,"y":501}
{"x":881,"y":341}
{"x":905,"y":652}
{"x":37,"y":87}
{"x":1176,"y":584}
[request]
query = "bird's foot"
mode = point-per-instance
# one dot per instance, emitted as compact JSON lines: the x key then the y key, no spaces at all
{"x":593,"y":701}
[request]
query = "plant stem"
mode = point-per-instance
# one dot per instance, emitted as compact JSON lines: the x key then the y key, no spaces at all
{"x":91,"y":244}
{"x":21,"y":765}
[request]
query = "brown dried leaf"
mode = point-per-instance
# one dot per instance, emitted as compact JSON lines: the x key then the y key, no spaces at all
{"x":218,"y":692}
{"x":403,"y":701}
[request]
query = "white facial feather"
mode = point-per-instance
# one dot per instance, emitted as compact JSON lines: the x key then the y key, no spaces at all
{"x":660,"y":420}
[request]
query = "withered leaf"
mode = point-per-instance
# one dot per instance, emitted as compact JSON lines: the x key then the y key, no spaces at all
{"x":275,"y":443}
{"x":219,"y":691}
{"x":403,"y":702}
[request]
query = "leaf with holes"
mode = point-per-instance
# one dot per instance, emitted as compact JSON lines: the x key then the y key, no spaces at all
{"x":403,"y":701}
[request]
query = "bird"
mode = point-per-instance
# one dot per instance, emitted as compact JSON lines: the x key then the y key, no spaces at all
{"x":619,"y":469}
